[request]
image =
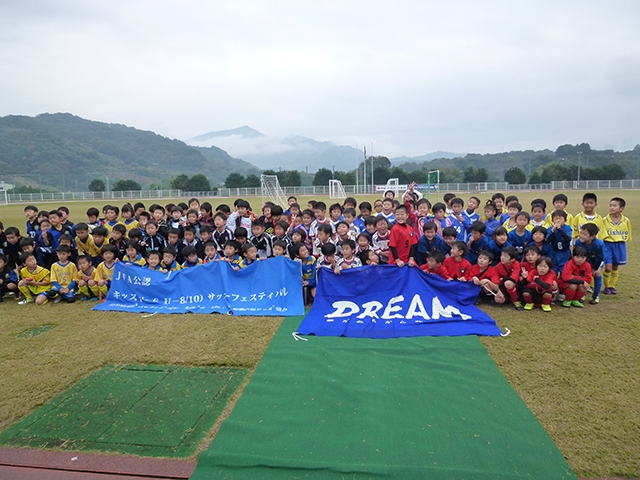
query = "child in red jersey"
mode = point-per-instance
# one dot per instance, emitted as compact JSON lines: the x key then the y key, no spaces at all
{"x":434,"y":264}
{"x":485,"y":276}
{"x":403,"y":240}
{"x":576,"y":277}
{"x":458,"y":267}
{"x":508,"y":271}
{"x":530,"y":256}
{"x":542,"y":282}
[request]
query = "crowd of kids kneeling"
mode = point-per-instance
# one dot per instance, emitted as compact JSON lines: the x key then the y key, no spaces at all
{"x":527,"y":259}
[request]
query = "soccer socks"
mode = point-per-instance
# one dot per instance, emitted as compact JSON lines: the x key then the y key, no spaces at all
{"x":613,"y":281}
{"x":569,"y":294}
{"x":513,"y":295}
{"x":527,"y":297}
{"x":546,"y":299}
{"x":104,"y":289}
{"x":597,"y":286}
{"x":95,"y":290}
{"x":606,"y":278}
{"x":84,"y":291}
{"x":26,"y":292}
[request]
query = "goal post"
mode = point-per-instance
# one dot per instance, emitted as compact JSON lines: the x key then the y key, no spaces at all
{"x":433,"y":183}
{"x":272,"y":191}
{"x":336,"y":189}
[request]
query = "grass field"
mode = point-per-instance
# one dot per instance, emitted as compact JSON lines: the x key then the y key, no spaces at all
{"x":578,"y":370}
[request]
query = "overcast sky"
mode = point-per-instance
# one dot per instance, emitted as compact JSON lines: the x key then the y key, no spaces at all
{"x":411,"y":77}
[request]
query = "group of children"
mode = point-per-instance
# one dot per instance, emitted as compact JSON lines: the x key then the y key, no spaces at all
{"x":524,"y":258}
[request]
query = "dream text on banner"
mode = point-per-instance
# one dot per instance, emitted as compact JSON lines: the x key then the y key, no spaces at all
{"x":387,"y":301}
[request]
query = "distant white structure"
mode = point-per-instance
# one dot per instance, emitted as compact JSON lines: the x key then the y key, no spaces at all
{"x":6,"y":186}
{"x":336,"y":190}
{"x":271,"y":189}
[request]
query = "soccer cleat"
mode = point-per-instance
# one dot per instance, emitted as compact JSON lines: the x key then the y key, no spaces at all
{"x":528,"y":306}
{"x":546,"y":308}
{"x":94,"y":299}
{"x":560,"y":297}
{"x":58,"y":299}
{"x":25,"y":301}
{"x":577,"y":303}
{"x":518,"y":306}
{"x":613,"y":290}
{"x":84,"y":298}
{"x":606,"y":291}
{"x":567,"y":304}
{"x":594,"y":301}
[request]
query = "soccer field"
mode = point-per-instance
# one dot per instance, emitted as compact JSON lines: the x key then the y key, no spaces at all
{"x":578,"y":370}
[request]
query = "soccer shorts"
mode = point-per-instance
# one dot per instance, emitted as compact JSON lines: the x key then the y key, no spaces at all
{"x":615,"y":253}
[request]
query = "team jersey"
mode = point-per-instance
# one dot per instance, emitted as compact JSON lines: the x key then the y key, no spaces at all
{"x":188,"y":264}
{"x":175,"y":266}
{"x":216,"y":258}
{"x":581,"y":219}
{"x":571,"y":271}
{"x":263,"y":244}
{"x":458,"y":270}
{"x":63,"y":275}
{"x":475,"y":248}
{"x":491,"y":225}
{"x":488,"y":273}
{"x":507,"y":224}
{"x":617,"y":231}
{"x":496,"y":249}
{"x":548,"y":279}
{"x":343,"y":263}
{"x":104,"y":272}
{"x":131,"y":223}
{"x":80,"y":275}
{"x":441,"y":271}
{"x":508,"y":272}
{"x":595,"y":252}
{"x":87,"y":247}
{"x":519,"y":241}
{"x":390,"y":217}
{"x":313,"y":229}
{"x":39,"y":274}
{"x":425,"y":247}
{"x":309,"y":270}
{"x":402,"y":237}
{"x":109,"y":226}
{"x":139,"y":260}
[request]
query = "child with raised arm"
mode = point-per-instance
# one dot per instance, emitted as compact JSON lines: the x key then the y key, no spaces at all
{"x":35,"y":281}
{"x":541,"y":284}
{"x":458,"y":267}
{"x":618,"y":233}
{"x":575,"y":278}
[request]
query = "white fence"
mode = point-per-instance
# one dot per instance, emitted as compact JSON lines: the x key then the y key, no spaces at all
{"x":313,"y":190}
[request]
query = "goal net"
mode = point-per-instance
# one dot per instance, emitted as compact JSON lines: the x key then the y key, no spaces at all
{"x":336,"y":190}
{"x":4,"y":197}
{"x":272,"y":191}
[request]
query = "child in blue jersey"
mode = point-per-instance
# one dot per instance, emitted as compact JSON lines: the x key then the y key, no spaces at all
{"x":520,"y":237}
{"x":469,"y":214}
{"x":449,"y":236}
{"x":308,"y":261}
{"x":559,"y":236}
{"x":211,"y":252}
{"x":477,"y":241}
{"x":48,"y":240}
{"x":231,"y":249}
{"x":457,"y":205}
{"x":387,"y":211}
{"x":500,"y":241}
{"x":439,"y":211}
{"x":595,"y":256}
{"x":8,"y":277}
{"x":31,"y":213}
{"x":428,"y":242}
{"x":169,"y":263}
{"x":539,"y":239}
{"x":490,"y":220}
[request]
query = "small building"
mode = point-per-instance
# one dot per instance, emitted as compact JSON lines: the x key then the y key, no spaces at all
{"x":6,"y":186}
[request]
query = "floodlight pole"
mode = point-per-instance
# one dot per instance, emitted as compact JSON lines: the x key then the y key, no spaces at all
{"x":579,"y":161}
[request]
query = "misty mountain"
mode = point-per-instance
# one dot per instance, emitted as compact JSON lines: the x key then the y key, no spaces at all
{"x":425,"y":158}
{"x":243,"y":132}
{"x":65,"y":151}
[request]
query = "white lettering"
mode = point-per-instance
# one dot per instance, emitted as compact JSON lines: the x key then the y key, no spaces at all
{"x":370,"y":309}
{"x":343,"y":308}
{"x":437,"y":310}
{"x":416,"y":309}
{"x":387,"y":315}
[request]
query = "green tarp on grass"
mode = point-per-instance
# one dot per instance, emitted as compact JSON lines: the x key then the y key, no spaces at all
{"x":413,"y":408}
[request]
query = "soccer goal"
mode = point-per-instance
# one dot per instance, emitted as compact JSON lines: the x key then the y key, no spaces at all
{"x":4,"y":197}
{"x":433,"y":183}
{"x":272,"y":191}
{"x":336,"y":190}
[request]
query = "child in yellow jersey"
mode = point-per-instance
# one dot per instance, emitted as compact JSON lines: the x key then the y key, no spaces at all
{"x":560,"y":202}
{"x":111,"y":213}
{"x":250,"y":253}
{"x":35,"y":280}
{"x":104,"y":271}
{"x":618,"y":233}
{"x":190,"y":255}
{"x":133,"y":255}
{"x":128,"y":217}
{"x":169,"y":263}
{"x":84,"y":241}
{"x":63,"y":276}
{"x":86,"y":272}
{"x":510,"y":223}
{"x":588,"y":215}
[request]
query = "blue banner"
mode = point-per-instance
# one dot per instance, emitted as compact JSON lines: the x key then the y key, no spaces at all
{"x":385,"y":301}
{"x":271,"y":287}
